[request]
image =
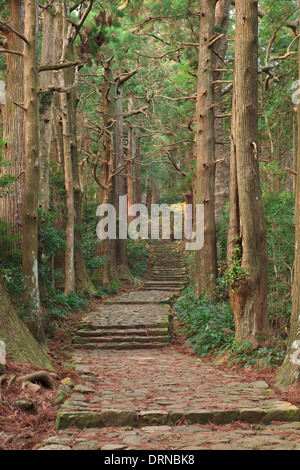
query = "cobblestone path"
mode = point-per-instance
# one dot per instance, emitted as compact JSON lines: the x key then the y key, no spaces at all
{"x":138,"y":392}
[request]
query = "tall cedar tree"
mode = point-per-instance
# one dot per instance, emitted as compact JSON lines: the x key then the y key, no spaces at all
{"x":247,"y":247}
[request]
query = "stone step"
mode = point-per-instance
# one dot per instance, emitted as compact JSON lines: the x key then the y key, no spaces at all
{"x":143,"y":297}
{"x":79,"y":340}
{"x":165,"y":284}
{"x":124,"y":345}
{"x":123,"y":332}
{"x":84,"y":418}
{"x":151,"y":286}
{"x":168,"y":277}
{"x":169,"y":272}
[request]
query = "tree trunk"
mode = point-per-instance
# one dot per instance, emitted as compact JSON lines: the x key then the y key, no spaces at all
{"x":119,"y":181}
{"x":137,"y":185}
{"x":289,"y":372}
{"x":11,"y":206}
{"x":46,"y":107}
{"x":206,"y":258}
{"x":30,"y":217}
{"x":64,"y":82}
{"x":222,"y":153}
{"x":247,"y":249}
{"x":20,"y":344}
{"x":130,"y":156}
{"x":106,"y":167}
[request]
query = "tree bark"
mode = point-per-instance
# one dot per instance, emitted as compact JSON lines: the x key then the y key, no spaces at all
{"x":20,"y":344}
{"x":63,"y":81}
{"x":104,"y":248}
{"x":205,"y":258}
{"x":222,"y":154}
{"x":46,"y":79}
{"x":11,"y":206}
{"x":119,"y":181}
{"x":130,"y":155}
{"x":30,"y":216}
{"x":247,"y":248}
{"x":289,"y":372}
{"x":137,"y":186}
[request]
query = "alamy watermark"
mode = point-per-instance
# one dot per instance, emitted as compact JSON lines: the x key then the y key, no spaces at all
{"x":2,"y":353}
{"x":296,"y":94}
{"x":163,"y":220}
{"x":2,"y":92}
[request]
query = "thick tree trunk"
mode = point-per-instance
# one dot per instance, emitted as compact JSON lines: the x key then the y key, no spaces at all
{"x":137,"y":185}
{"x":289,"y":372}
{"x":48,"y":52}
{"x":106,"y":194}
{"x":131,"y":152}
{"x":247,"y":249}
{"x":11,"y":206}
{"x":206,"y":258}
{"x":222,"y":154}
{"x":119,"y":181}
{"x":30,"y":217}
{"x":20,"y":344}
{"x":64,"y":81}
{"x":65,"y":151}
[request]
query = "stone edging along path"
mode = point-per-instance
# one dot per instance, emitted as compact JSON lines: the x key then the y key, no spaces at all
{"x":132,"y":376}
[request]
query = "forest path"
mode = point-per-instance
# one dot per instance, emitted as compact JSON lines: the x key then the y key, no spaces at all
{"x":138,"y":391}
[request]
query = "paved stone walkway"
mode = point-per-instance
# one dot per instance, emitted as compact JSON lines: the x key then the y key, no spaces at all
{"x":138,"y":392}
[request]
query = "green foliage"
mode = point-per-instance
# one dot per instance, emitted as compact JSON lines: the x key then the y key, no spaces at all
{"x":45,"y":99}
{"x":9,"y":255}
{"x":90,"y":243}
{"x":235,"y":275}
{"x":245,"y":354}
{"x":208,"y":324}
{"x":51,"y":239}
{"x":6,"y":180}
{"x":59,"y":307}
{"x":137,"y":257}
{"x":3,"y":9}
{"x":209,"y":327}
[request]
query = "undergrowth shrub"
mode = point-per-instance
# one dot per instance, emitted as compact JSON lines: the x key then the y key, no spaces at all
{"x":137,"y":251}
{"x":207,"y":324}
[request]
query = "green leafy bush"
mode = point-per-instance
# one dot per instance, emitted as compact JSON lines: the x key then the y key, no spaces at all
{"x":269,"y":355}
{"x":137,"y":257}
{"x":59,"y":307}
{"x":208,"y":324}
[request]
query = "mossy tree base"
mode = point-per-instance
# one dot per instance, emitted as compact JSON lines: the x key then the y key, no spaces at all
{"x":20,"y":344}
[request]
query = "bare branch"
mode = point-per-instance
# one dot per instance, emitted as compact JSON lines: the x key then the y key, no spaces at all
{"x":4,"y":27}
{"x":7,"y":51}
{"x":158,"y":57}
{"x":85,"y":14}
{"x":21,"y":106}
{"x":293,"y":172}
{"x":61,"y":65}
{"x":74,"y":7}
{"x":122,"y":7}
{"x":192,"y":97}
{"x":134,"y":112}
{"x":227,"y":89}
{"x":124,"y":77}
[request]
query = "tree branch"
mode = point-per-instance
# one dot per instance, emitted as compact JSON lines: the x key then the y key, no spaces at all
{"x":124,"y":77}
{"x":85,"y":14}
{"x":4,"y":27}
{"x":61,"y":65}
{"x":8,"y":51}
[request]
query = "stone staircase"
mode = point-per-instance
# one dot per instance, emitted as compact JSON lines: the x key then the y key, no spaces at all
{"x":129,"y":382}
{"x":169,"y":271}
{"x":139,"y":319}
